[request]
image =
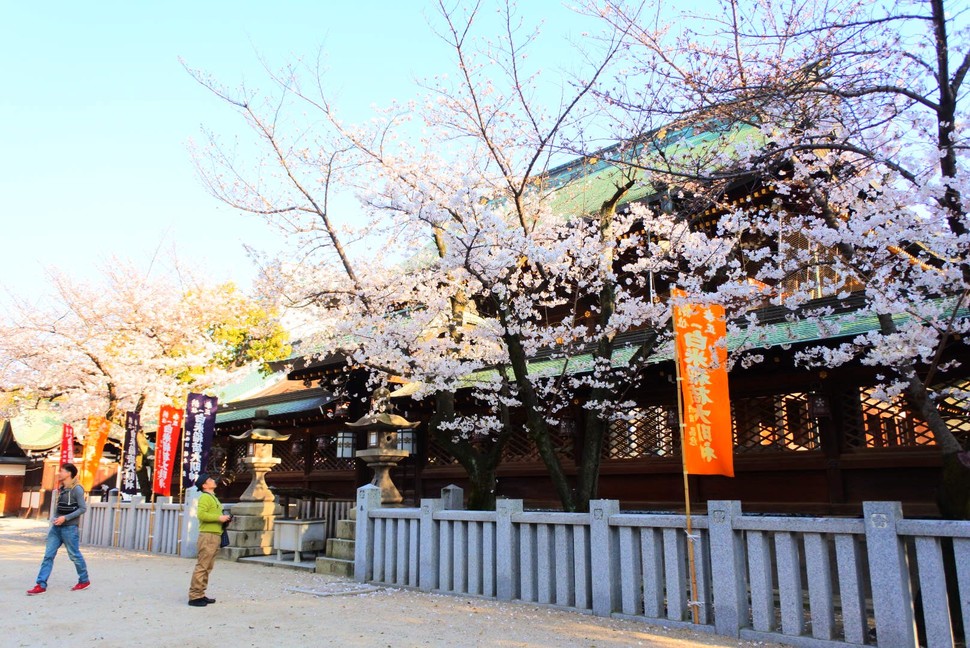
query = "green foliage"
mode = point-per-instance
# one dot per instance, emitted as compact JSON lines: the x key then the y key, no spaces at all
{"x":239,"y":331}
{"x":248,"y":332}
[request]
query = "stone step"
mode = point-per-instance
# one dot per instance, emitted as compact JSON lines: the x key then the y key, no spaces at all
{"x":351,"y":513}
{"x":235,"y":553}
{"x":339,"y":548}
{"x":273,"y":561}
{"x":335,"y":567}
{"x":347,"y":529}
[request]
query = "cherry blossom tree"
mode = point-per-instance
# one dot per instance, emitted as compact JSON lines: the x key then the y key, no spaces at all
{"x":478,"y":262}
{"x":130,"y":341}
{"x":852,"y":117}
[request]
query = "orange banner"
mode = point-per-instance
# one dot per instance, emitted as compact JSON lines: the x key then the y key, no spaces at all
{"x":700,"y":338}
{"x":93,"y":447}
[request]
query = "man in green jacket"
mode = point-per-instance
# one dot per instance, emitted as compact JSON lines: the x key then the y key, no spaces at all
{"x":211,"y":520}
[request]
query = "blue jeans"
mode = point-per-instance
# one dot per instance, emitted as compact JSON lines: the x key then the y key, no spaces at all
{"x":69,"y":537}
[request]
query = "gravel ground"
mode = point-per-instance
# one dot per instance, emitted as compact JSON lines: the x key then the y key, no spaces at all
{"x":137,"y":598}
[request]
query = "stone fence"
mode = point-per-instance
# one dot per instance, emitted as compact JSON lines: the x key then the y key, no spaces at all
{"x":165,"y":527}
{"x":804,"y":581}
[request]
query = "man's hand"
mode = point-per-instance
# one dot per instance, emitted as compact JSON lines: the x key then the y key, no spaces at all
{"x":58,"y":521}
{"x":225,"y":518}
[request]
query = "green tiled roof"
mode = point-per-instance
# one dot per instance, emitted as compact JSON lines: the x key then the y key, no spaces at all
{"x":36,"y":429}
{"x":254,"y":382}
{"x":274,"y":409}
{"x":581,"y":187}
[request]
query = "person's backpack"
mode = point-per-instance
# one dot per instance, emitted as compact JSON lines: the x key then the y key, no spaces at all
{"x":66,"y":508}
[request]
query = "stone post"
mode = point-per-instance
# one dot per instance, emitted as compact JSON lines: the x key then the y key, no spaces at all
{"x":605,"y":555}
{"x":453,"y":498}
{"x":158,"y":527}
{"x":113,"y":502}
{"x":892,"y":593}
{"x":129,"y":523}
{"x":727,"y":568}
{"x":190,"y":523}
{"x":368,"y":498}
{"x":429,"y":543}
{"x":506,"y":549}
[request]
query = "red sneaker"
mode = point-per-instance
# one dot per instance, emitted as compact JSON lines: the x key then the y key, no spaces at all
{"x":81,"y":586}
{"x":37,"y":589}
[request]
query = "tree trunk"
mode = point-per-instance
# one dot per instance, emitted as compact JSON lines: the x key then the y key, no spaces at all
{"x":535,"y":421}
{"x":479,"y":463}
{"x":954,"y":499}
{"x":482,"y":483}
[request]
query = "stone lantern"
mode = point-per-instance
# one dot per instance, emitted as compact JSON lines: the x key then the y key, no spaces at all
{"x":382,"y":453}
{"x":251,"y":530}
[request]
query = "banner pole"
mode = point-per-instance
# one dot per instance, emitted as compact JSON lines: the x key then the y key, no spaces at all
{"x":84,"y":453}
{"x":181,"y":464}
{"x":182,"y":460}
{"x":151,"y":522}
{"x":116,"y":531}
{"x":692,"y":565}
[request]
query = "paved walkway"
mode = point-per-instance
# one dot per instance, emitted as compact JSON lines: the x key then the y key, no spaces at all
{"x":140,"y":599}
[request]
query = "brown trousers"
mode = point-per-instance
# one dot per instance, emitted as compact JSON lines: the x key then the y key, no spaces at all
{"x":208,"y":548}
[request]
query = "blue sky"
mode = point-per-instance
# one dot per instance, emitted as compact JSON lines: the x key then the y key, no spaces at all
{"x":96,"y":112}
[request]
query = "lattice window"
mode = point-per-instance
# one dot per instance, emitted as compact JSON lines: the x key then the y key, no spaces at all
{"x":779,"y":422}
{"x":648,"y":431}
{"x":521,"y":449}
{"x":236,"y":454}
{"x":873,"y":423}
{"x":290,"y":461}
{"x":438,"y":455}
{"x":325,"y":455}
{"x":218,"y":459}
{"x":954,"y":405}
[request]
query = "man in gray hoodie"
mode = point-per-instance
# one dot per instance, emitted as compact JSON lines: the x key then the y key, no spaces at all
{"x":66,"y":510}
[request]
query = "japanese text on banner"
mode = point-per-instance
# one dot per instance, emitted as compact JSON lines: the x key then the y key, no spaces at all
{"x":200,"y":426}
{"x":129,"y":468}
{"x":67,"y":444}
{"x":700,"y":338}
{"x":166,"y":445}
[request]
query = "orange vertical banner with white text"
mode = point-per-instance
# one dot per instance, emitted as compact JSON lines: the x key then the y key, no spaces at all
{"x":93,"y":447}
{"x":700,"y":337}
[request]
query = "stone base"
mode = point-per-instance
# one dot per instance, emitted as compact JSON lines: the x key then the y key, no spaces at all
{"x":261,"y":509}
{"x":251,"y":523}
{"x":251,"y":529}
{"x":233,"y":554}
{"x":250,"y":538}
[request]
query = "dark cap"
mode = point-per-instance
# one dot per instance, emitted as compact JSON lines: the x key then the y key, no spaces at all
{"x":202,"y":477}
